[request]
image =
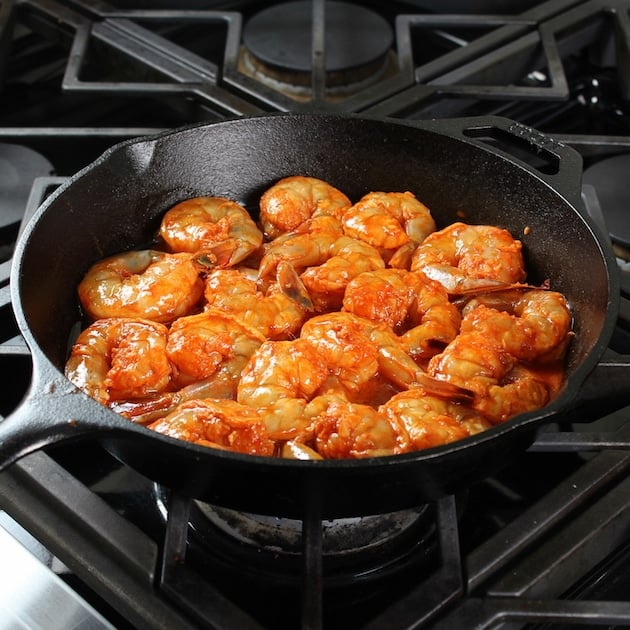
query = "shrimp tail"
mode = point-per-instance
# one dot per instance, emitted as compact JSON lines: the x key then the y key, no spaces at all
{"x":443,"y":389}
{"x":476,"y":286}
{"x":457,"y":283}
{"x":228,"y":253}
{"x":148,"y":409}
{"x":292,"y":286}
{"x":205,"y":260}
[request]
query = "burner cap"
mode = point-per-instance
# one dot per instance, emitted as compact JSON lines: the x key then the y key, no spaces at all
{"x":19,"y":167}
{"x":279,"y":42}
{"x":608,"y":177}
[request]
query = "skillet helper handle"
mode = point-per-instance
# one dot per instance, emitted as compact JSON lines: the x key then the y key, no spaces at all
{"x":555,"y":163}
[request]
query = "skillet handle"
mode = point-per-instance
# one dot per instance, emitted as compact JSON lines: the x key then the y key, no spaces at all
{"x":555,"y":163}
{"x":53,"y":411}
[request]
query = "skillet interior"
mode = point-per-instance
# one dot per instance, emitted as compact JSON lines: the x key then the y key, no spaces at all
{"x":118,"y":202}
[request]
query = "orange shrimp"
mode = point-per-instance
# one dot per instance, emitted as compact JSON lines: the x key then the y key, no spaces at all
{"x":534,"y":324}
{"x":281,"y":370}
{"x":277,"y":313}
{"x":341,"y":429}
{"x":366,"y":361}
{"x":389,"y":221}
{"x":198,"y":345}
{"x":222,"y":424}
{"x":145,"y":284}
{"x":217,"y":227}
{"x":467,"y":258}
{"x":414,"y":306}
{"x":279,"y":380}
{"x":486,"y":356}
{"x":293,"y":200}
{"x":326,"y":263}
{"x":120,"y":358}
{"x":428,"y":421}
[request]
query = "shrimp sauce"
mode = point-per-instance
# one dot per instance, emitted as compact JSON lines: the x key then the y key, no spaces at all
{"x":313,"y":327}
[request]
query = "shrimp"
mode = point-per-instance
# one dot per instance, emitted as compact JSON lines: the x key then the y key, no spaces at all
{"x":546,"y":319}
{"x":522,"y":389}
{"x":276,"y":313}
{"x":358,"y":352}
{"x":293,"y":200}
{"x":326,"y":263}
{"x":414,"y":306}
{"x":479,"y":356}
{"x":535,"y":324}
{"x":279,"y":380}
{"x":144,"y":284}
{"x":120,"y":358}
{"x":342,"y":429}
{"x":207,"y":352}
{"x":428,"y":421}
{"x":198,"y":345}
{"x":222,"y":424}
{"x":389,"y":221}
{"x":217,"y":227}
{"x":281,"y":370}
{"x":467,"y":258}
{"x":486,"y":356}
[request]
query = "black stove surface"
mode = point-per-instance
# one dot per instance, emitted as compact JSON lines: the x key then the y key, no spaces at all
{"x":544,"y":542}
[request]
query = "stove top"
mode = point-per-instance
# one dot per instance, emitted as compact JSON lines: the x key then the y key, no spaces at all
{"x":544,"y":542}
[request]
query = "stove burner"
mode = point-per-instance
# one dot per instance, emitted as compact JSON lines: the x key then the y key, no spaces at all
{"x":339,"y":536}
{"x":278,"y":45}
{"x":608,"y":177}
{"x":19,"y":167}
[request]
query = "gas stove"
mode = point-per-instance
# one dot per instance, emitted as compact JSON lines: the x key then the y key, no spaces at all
{"x":545,"y":542}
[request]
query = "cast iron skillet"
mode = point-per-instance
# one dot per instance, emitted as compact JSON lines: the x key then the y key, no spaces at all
{"x":455,"y":166}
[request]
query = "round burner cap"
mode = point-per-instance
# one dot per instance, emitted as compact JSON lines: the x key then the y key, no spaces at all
{"x":609,"y":177}
{"x":280,"y":36}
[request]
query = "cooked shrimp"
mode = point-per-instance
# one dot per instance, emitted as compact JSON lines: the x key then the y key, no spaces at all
{"x":198,"y":345}
{"x":207,"y":351}
{"x":279,"y":380}
{"x":389,"y":221}
{"x":120,"y":358}
{"x":479,"y":356}
{"x":293,"y":200}
{"x":427,"y":421}
{"x":522,"y":389}
{"x":466,"y":257}
{"x":365,"y":359}
{"x":436,"y":322}
{"x":327,"y":263}
{"x":145,"y":284}
{"x":223,"y":424}
{"x":326,"y":283}
{"x":382,"y":295}
{"x":546,"y":319}
{"x":486,"y":355}
{"x":535,"y":324}
{"x":215,"y":226}
{"x":281,"y":370}
{"x":341,"y":429}
{"x":276,"y":313}
{"x":413,"y":305}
